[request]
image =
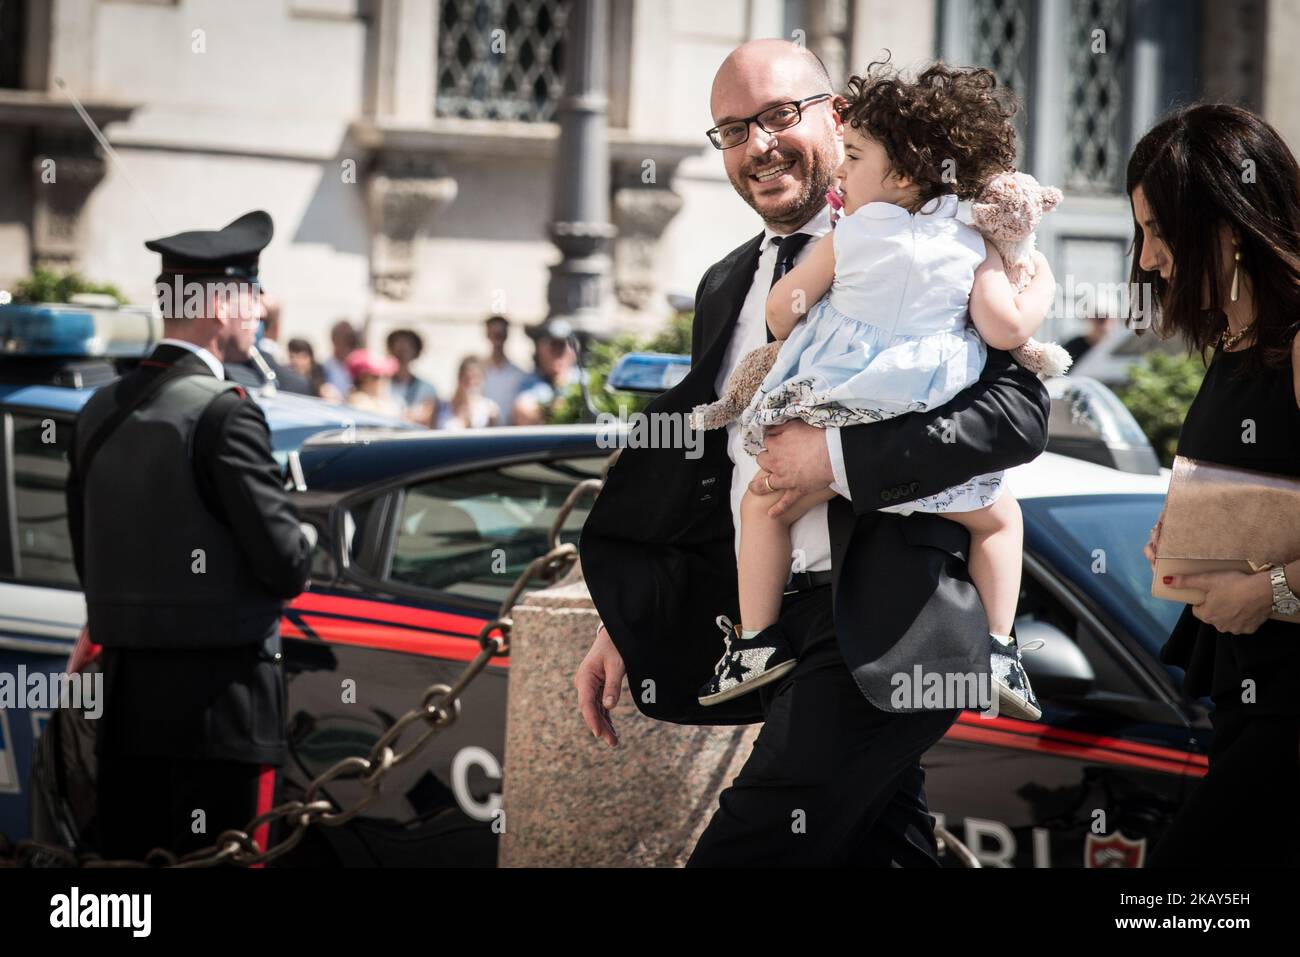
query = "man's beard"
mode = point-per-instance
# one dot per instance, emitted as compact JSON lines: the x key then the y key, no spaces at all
{"x":810,"y":198}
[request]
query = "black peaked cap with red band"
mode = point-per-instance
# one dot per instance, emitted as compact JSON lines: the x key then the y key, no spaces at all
{"x":231,"y":251}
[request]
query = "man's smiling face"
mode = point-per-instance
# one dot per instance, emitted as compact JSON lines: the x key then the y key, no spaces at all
{"x":784,"y":175}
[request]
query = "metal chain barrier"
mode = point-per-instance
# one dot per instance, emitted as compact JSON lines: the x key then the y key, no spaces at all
{"x":439,"y":708}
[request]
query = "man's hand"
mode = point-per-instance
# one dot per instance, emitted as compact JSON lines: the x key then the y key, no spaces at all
{"x":1236,"y":603}
{"x":794,"y":462}
{"x":599,"y":682}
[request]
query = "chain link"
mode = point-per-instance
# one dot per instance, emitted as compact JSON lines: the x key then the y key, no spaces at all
{"x":439,"y":708}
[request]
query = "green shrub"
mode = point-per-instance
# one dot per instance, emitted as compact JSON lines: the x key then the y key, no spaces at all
{"x":599,"y":359}
{"x":1158,"y":392}
{"x":47,"y":285}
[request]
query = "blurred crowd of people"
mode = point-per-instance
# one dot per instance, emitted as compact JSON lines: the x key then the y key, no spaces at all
{"x":489,"y":389}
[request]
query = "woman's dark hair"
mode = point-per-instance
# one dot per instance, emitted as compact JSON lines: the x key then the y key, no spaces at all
{"x":1204,"y":167}
{"x":949,"y":131}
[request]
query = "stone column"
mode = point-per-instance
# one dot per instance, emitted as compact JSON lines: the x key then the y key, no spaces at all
{"x":1278,"y":33}
{"x":1234,"y":51}
{"x":581,"y":228}
{"x":401,"y":80}
{"x":828,"y":31}
{"x":571,"y":800}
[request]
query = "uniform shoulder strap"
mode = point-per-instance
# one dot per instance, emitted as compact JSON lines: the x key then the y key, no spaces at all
{"x":115,"y":418}
{"x":206,"y":438}
{"x":212,"y":423}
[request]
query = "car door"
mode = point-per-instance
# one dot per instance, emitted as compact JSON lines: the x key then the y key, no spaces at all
{"x":423,"y":565}
{"x":41,"y":606}
{"x":1096,"y":781}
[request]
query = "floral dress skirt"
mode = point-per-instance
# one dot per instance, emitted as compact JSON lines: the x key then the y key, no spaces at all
{"x":836,"y":370}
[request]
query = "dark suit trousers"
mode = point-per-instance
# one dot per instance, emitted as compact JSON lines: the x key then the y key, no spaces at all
{"x":148,"y":802}
{"x":832,"y":780}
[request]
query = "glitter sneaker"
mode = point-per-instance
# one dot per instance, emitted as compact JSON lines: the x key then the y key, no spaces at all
{"x":1016,"y":696}
{"x":746,"y":665}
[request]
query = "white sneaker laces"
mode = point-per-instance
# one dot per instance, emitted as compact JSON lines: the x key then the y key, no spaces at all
{"x":728,"y":630}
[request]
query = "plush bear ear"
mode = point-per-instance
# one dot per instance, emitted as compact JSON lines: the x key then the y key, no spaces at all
{"x":1051,"y":196}
{"x":983,"y":212}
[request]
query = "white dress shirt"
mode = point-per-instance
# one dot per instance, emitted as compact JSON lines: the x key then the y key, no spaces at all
{"x":809,"y":536}
{"x":213,"y":363}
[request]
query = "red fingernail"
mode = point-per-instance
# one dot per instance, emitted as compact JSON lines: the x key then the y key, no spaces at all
{"x":1169,"y":579}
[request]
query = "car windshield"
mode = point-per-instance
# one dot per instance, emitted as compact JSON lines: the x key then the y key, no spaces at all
{"x":1096,"y":541}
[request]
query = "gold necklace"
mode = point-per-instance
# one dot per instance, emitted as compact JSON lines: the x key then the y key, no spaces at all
{"x":1228,"y":340}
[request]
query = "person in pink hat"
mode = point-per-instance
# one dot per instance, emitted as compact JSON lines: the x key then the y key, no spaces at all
{"x":368,"y":373}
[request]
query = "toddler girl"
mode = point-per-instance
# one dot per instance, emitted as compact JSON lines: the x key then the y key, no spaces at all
{"x":904,"y":276}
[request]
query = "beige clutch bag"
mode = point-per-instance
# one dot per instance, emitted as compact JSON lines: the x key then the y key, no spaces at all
{"x":1218,"y":518}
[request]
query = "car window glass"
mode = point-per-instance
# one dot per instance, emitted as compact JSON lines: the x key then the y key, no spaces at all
{"x":40,"y":463}
{"x":472,"y":534}
{"x":362,"y":528}
{"x":1097,"y":532}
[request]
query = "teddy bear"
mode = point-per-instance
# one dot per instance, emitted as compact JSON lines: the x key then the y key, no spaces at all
{"x":1006,"y":212}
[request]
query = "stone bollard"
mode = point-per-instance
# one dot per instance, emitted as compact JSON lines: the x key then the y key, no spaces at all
{"x":571,"y":800}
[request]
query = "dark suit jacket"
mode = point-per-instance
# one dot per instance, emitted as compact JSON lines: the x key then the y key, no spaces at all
{"x":225,"y":703}
{"x":658,"y":549}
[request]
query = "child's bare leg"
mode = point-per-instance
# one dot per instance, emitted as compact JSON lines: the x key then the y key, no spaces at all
{"x":996,"y":552}
{"x":765,"y":555}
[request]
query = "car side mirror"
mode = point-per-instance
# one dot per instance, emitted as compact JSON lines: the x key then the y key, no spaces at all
{"x":648,"y":373}
{"x":1058,"y":669}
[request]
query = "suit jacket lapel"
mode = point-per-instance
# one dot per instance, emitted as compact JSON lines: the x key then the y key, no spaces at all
{"x":721,"y":303}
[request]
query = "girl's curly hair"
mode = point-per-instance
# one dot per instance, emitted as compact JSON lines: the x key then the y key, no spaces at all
{"x":949,"y":130}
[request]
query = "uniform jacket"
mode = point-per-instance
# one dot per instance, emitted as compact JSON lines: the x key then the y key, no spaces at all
{"x":658,"y":555}
{"x":164,"y":696}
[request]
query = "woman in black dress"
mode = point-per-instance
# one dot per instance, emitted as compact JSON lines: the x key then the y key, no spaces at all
{"x":1216,"y":209}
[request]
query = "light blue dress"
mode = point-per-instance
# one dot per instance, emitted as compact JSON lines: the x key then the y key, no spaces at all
{"x":892,"y":336}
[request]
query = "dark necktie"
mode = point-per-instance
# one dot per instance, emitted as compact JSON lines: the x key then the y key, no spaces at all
{"x":787,"y":248}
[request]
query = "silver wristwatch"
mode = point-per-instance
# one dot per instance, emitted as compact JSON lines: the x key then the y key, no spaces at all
{"x":1284,"y":600}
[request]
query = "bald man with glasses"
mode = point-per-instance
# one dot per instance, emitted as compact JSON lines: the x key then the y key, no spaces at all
{"x":835,"y":776}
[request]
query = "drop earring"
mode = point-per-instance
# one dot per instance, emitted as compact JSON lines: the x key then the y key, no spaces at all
{"x":1236,"y":270}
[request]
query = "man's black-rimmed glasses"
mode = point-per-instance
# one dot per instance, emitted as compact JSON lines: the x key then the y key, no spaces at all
{"x":772,"y":120}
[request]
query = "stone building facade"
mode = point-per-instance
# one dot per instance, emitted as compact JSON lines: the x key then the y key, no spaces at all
{"x":407,"y":149}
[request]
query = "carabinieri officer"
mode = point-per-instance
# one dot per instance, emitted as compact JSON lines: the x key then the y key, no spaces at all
{"x":187,"y":546}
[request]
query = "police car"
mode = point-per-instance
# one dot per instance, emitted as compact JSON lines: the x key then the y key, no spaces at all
{"x":413,"y":531}
{"x":52,"y":358}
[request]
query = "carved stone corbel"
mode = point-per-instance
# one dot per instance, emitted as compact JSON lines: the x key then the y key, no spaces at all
{"x":404,"y":193}
{"x":641,"y":213}
{"x":65,"y":170}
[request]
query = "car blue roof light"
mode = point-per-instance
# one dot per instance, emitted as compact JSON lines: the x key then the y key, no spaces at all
{"x":647,"y":372}
{"x":53,"y":329}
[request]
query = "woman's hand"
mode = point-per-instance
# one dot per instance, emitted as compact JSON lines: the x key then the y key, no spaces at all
{"x":1236,"y":603}
{"x":1149,"y":549}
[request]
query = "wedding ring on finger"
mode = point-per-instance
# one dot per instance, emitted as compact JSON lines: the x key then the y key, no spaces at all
{"x":767,"y":480}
